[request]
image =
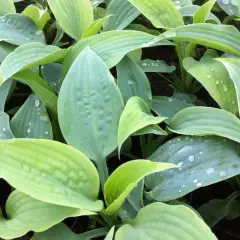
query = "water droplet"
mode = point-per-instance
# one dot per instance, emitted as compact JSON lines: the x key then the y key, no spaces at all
{"x":191,"y":158}
{"x":180,"y":164}
{"x":29,"y":130}
{"x":145,"y":45}
{"x":144,"y":64}
{"x":199,"y":184}
{"x":183,"y":186}
{"x":217,"y":82}
{"x":208,"y":76}
{"x":170,"y":99}
{"x":200,"y":152}
{"x":4,"y":129}
{"x":225,"y":88}
{"x":30,"y":124}
{"x":44,"y":117}
{"x":179,"y":190}
{"x":223,"y":174}
{"x":195,"y":181}
{"x":192,"y":171}
{"x":130,"y":82}
{"x":46,"y":132}
{"x":39,"y":32}
{"x":212,"y":69}
{"x":210,"y":171}
{"x":37,"y":103}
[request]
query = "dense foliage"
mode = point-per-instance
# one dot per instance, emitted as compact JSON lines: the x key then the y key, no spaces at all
{"x":87,"y":151}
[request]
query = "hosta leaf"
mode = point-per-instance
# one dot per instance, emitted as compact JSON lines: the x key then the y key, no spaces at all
{"x":110,"y":234}
{"x":231,"y":7}
{"x":39,"y":17}
{"x":90,"y":105}
{"x":149,"y":65}
{"x":112,"y":46}
{"x":135,"y":198}
{"x":232,"y":66}
{"x":203,"y":12}
{"x":4,"y":92}
{"x":220,"y":37}
{"x":206,"y":121}
{"x":136,"y":116}
{"x":216,"y":209}
{"x":7,"y":7}
{"x":51,"y":172}
{"x":168,"y":107}
{"x":73,"y":16}
{"x":182,"y":3}
{"x":132,"y":81}
{"x":29,"y":55}
{"x":5,"y":49}
{"x":123,"y":14}
{"x":32,"y":120}
{"x":125,"y":178}
{"x":203,"y":160}
{"x":5,"y":131}
{"x":21,"y":208}
{"x":159,"y":221}
{"x":162,"y":14}
{"x":17,"y":29}
{"x":215,"y":79}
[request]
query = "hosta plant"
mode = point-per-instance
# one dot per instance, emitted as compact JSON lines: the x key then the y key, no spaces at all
{"x":91,"y":146}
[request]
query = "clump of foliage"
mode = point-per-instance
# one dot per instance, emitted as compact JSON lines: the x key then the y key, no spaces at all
{"x":82,"y":135}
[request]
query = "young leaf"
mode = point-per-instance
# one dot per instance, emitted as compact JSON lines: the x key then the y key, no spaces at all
{"x":132,"y":81}
{"x":162,"y":14}
{"x":20,"y":209}
{"x":220,"y":37}
{"x":161,"y":221}
{"x":39,"y":17}
{"x":232,"y":66}
{"x":73,"y":16}
{"x":7,"y":7}
{"x":51,"y":172}
{"x":17,"y":29}
{"x":90,"y":105}
{"x":203,"y":160}
{"x":110,"y":234}
{"x":215,"y":79}
{"x":112,"y":46}
{"x":5,"y":131}
{"x":123,"y":14}
{"x":32,"y":120}
{"x":136,"y":116}
{"x":4,"y":92}
{"x":230,"y":7}
{"x":206,"y":121}
{"x":168,"y":107}
{"x":203,"y":12}
{"x":125,"y":178}
{"x":29,"y":55}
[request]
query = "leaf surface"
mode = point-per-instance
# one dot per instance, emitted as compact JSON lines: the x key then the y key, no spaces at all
{"x":5,"y":131}
{"x":7,"y":7}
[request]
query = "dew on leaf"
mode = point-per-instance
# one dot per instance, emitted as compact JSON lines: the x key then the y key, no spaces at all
{"x":223,"y":174}
{"x":217,"y":82}
{"x":4,"y":129}
{"x":44,"y":117}
{"x":130,"y":82}
{"x":191,"y":158}
{"x":208,"y":76}
{"x":199,"y":184}
{"x":210,"y":171}
{"x":195,"y":181}
{"x":37,"y":103}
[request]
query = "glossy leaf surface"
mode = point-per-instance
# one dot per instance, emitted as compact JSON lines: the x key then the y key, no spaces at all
{"x":5,"y":131}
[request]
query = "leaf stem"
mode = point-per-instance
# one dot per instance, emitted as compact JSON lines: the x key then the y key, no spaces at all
{"x":102,"y":171}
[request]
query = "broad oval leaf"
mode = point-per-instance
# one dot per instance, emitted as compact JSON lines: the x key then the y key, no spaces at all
{"x":215,"y":79}
{"x":112,"y":46}
{"x":220,"y":37}
{"x":206,"y":121}
{"x":51,"y":172}
{"x":5,"y":49}
{"x":136,"y":116}
{"x":17,"y":29}
{"x":203,"y":161}
{"x":110,"y":234}
{"x":231,"y":7}
{"x":29,"y":55}
{"x":132,"y":81}
{"x":123,"y":14}
{"x":162,"y":14}
{"x":73,"y":16}
{"x":7,"y":7}
{"x":20,"y":209}
{"x":159,"y":221}
{"x":32,"y":120}
{"x":125,"y":178}
{"x":90,"y":105}
{"x":5,"y":131}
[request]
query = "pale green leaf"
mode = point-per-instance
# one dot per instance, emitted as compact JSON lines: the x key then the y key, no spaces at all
{"x":215,"y":79}
{"x":182,"y":3}
{"x":206,"y":121}
{"x":132,"y":81}
{"x":110,"y":234}
{"x":5,"y":89}
{"x":232,"y":66}
{"x":125,"y":178}
{"x":29,"y":55}
{"x":5,"y":49}
{"x":7,"y":7}
{"x":162,"y":14}
{"x":123,"y":14}
{"x":221,"y":37}
{"x":17,"y":29}
{"x":39,"y":16}
{"x":112,"y":46}
{"x":135,"y":198}
{"x":160,"y":221}
{"x":32,"y":120}
{"x":203,"y":161}
{"x":73,"y":16}
{"x":21,"y":208}
{"x":136,"y":116}
{"x":5,"y":131}
{"x":231,"y":7}
{"x":90,"y":105}
{"x":202,"y":14}
{"x":51,"y":172}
